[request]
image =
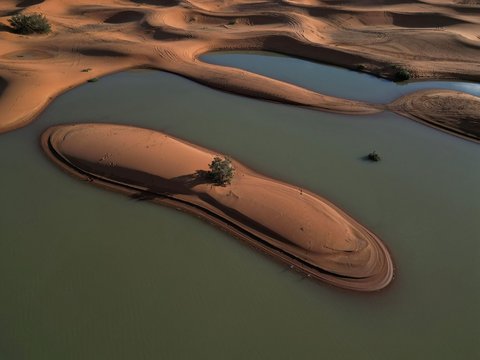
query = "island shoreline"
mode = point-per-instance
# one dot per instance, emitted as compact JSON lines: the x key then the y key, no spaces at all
{"x":231,"y":227}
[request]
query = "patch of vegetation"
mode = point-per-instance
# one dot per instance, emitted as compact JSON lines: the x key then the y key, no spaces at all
{"x":30,"y":24}
{"x":402,"y":74}
{"x":360,"y":67}
{"x":373,"y":156}
{"x":221,"y":170}
{"x":93,"y":80}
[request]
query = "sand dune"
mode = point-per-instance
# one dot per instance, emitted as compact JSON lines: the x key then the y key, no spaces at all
{"x":433,"y":39}
{"x":291,"y":224}
{"x":453,"y":111}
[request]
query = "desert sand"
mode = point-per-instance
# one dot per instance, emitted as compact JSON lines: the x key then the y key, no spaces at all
{"x":291,"y":224}
{"x":433,"y":39}
{"x":452,"y":111}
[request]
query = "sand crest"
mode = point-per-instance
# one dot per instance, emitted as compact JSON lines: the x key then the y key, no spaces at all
{"x":288,"y":223}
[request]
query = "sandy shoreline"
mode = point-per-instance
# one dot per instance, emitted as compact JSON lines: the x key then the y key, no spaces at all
{"x":452,"y":111}
{"x":291,"y":224}
{"x":431,"y":40}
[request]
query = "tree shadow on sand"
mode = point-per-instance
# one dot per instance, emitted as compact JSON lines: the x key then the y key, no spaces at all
{"x":6,"y":28}
{"x":181,"y":185}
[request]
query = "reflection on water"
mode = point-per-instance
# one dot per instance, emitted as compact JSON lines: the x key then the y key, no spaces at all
{"x":90,"y":274}
{"x":330,"y":80}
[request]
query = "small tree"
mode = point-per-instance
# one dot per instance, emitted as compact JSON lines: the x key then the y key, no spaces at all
{"x":402,"y":75}
{"x":30,"y":24}
{"x":221,"y":170}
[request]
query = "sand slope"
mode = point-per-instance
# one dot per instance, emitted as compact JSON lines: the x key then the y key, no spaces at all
{"x":291,"y":224}
{"x":452,"y":111}
{"x":433,"y":39}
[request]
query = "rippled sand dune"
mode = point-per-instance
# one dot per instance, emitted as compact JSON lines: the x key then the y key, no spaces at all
{"x":432,"y":39}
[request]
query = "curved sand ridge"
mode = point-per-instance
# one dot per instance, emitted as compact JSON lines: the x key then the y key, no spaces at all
{"x":432,"y":39}
{"x":291,"y":224}
{"x":450,"y":110}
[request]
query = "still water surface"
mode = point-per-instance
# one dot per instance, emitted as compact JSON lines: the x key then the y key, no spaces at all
{"x":90,"y":274}
{"x":330,"y":80}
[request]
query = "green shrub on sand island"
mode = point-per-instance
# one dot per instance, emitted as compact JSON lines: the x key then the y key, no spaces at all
{"x":30,"y":24}
{"x":221,"y":170}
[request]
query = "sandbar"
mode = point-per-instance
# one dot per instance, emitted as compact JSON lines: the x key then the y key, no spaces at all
{"x":452,"y":111}
{"x":291,"y":224}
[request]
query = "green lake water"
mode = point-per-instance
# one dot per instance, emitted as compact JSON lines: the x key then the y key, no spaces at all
{"x":90,"y":274}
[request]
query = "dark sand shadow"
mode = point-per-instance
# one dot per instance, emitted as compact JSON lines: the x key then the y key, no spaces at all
{"x":5,"y":28}
{"x":157,"y":2}
{"x":416,"y":21}
{"x":3,"y":85}
{"x":101,"y":52}
{"x":124,"y":17}
{"x":26,"y":3}
{"x":168,"y":36}
{"x":8,"y":13}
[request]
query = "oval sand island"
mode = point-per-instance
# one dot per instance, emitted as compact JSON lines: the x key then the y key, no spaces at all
{"x":288,"y":223}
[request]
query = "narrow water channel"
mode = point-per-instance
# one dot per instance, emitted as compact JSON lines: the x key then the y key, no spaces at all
{"x":90,"y":274}
{"x":328,"y":79}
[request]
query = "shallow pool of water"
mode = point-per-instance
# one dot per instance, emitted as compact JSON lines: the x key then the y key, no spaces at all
{"x":90,"y":274}
{"x":328,"y":79}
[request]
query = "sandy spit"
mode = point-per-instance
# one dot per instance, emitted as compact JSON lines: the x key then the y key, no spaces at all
{"x":91,"y":39}
{"x":293,"y":225}
{"x":452,"y":111}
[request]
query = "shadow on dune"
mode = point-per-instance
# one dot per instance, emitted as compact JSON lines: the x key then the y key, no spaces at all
{"x":8,"y":13}
{"x":198,"y":178}
{"x":368,"y":2}
{"x":101,"y":52}
{"x":169,"y":36}
{"x":124,"y":17}
{"x":157,"y":2}
{"x":158,"y":188}
{"x":3,"y":85}
{"x":265,"y":20}
{"x":286,"y":45}
{"x":26,"y":3}
{"x":423,"y":20}
{"x":5,"y":28}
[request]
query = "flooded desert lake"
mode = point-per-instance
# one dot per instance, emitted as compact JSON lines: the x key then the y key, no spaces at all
{"x":89,"y":274}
